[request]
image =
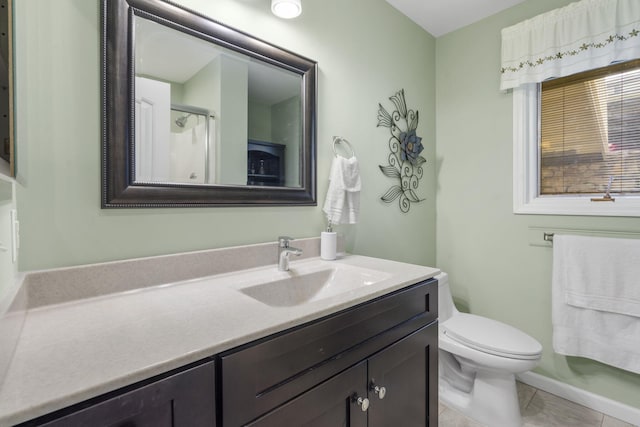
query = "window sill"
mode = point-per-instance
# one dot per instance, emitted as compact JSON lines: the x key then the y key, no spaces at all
{"x":583,"y":206}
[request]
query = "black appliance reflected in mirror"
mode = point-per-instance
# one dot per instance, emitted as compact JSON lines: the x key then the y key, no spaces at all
{"x":265,"y":163}
{"x":230,"y":184}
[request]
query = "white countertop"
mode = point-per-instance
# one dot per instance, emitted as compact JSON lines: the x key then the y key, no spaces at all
{"x":73,"y":351}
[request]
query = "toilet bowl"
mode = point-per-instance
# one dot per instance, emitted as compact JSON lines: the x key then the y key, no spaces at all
{"x":478,"y":360}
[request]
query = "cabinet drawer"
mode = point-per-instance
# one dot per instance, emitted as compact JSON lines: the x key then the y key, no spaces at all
{"x":331,"y":403}
{"x":264,"y":375}
{"x":184,"y":399}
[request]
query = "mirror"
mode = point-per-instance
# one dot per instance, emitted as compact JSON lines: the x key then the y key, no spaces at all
{"x":198,"y":114}
{"x":7,"y":157}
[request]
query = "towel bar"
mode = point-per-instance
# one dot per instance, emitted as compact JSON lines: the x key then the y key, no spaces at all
{"x":548,"y":237}
{"x":339,"y":139}
{"x":544,"y":236}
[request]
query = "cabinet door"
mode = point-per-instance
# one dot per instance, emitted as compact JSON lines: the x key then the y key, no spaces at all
{"x":408,"y":372}
{"x":330,"y":404}
{"x":185,"y":399}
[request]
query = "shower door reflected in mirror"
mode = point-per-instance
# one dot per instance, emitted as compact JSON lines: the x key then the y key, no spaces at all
{"x":191,"y":145}
{"x":197,"y":105}
{"x":172,"y":142}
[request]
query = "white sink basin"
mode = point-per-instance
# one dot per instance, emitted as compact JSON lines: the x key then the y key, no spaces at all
{"x":311,"y":282}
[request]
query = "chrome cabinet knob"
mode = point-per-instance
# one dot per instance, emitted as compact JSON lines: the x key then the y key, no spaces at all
{"x":380,"y":391}
{"x":363,"y":403}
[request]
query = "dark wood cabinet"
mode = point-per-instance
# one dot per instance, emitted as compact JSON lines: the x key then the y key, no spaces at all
{"x":265,"y":163}
{"x":394,"y":336}
{"x":395,"y":383}
{"x":183,"y":399}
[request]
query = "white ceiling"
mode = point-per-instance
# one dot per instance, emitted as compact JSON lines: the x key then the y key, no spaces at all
{"x":170,"y":55}
{"x":439,"y":17}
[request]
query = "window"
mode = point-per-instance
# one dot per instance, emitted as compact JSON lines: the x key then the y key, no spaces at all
{"x":590,"y":132}
{"x":578,"y":143}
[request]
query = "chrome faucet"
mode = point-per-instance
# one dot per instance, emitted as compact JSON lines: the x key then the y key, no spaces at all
{"x":284,"y":250}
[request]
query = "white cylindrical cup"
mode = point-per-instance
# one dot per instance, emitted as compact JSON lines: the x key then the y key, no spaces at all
{"x":328,"y":245}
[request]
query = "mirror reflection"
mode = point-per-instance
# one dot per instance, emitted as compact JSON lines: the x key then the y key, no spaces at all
{"x":207,"y":115}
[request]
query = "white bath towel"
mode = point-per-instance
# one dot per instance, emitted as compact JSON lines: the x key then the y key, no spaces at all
{"x":342,"y":204}
{"x":595,"y":289}
{"x":601,"y":273}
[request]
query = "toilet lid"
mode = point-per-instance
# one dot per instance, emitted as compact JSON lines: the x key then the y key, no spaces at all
{"x":491,"y":336}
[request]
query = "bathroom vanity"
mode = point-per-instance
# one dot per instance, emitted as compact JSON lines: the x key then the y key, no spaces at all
{"x":304,"y":376}
{"x":359,"y":356}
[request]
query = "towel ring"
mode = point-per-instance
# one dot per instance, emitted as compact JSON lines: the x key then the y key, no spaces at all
{"x":339,"y":139}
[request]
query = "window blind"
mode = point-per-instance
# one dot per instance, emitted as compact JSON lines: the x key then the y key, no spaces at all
{"x":590,"y":132}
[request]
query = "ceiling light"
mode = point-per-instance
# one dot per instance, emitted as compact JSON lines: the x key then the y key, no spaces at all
{"x":286,"y":8}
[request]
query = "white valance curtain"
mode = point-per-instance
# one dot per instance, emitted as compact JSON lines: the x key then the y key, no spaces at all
{"x":581,"y":36}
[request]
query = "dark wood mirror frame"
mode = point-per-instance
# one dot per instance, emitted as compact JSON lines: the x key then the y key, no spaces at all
{"x":7,"y":136}
{"x":119,"y":189}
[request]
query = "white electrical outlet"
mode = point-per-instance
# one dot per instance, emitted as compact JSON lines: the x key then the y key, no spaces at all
{"x":15,"y":235}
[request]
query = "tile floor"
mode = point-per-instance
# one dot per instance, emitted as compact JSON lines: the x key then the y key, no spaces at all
{"x":540,"y":409}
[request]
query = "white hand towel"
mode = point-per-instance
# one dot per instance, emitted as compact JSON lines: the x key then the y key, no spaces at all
{"x":342,"y":204}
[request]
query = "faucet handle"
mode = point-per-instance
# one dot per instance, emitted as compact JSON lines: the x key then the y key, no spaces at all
{"x":284,"y":241}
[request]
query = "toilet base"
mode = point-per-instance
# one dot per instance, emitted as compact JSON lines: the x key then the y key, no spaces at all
{"x":493,"y":401}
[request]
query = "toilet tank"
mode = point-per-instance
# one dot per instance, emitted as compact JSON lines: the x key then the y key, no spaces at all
{"x":446,"y":308}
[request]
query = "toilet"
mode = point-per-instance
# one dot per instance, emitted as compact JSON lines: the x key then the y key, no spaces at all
{"x":478,"y":360}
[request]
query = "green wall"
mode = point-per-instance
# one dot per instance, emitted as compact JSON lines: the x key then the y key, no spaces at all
{"x":58,"y":75}
{"x":494,"y":269}
{"x":259,"y":120}
{"x":286,"y":119}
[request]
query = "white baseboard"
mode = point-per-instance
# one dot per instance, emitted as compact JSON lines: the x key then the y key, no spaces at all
{"x":582,"y":397}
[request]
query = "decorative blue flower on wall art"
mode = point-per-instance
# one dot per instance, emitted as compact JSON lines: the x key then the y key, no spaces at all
{"x":405,"y":161}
